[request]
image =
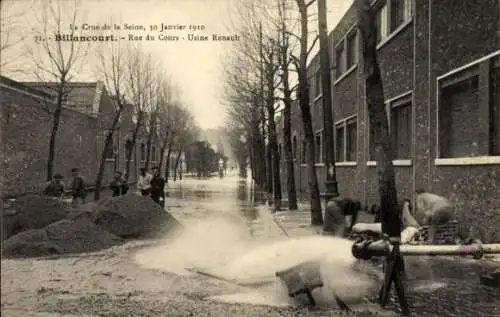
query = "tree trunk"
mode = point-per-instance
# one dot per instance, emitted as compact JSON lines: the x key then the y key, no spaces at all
{"x":180,"y":172}
{"x":177,"y":163}
{"x":107,"y":143}
{"x":269,"y":167}
{"x":162,"y":154}
{"x":287,"y":132}
{"x":290,"y":177}
{"x":273,"y":144}
{"x":303,"y":96}
{"x":149,"y":142}
{"x":251,"y":157}
{"x":55,"y":128}
{"x":167,"y":163}
{"x":267,"y":176}
{"x":379,"y":127}
{"x":133,"y":144}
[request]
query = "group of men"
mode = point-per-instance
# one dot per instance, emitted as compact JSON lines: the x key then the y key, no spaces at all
{"x":78,"y":188}
{"x":152,"y":185}
{"x":430,"y":210}
{"x":148,"y":185}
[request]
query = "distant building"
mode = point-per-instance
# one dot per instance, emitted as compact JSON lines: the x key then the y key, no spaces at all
{"x":440,"y":65}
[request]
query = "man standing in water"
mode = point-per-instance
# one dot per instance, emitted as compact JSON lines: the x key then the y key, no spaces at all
{"x":158,"y":187}
{"x":78,"y":188}
{"x":144,"y":182}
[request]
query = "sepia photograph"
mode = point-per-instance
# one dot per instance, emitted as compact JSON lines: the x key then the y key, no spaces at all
{"x":250,"y":158}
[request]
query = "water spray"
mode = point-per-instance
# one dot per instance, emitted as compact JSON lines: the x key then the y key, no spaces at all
{"x":298,"y":274}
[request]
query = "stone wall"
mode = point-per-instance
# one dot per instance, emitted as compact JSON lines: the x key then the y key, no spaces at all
{"x":26,"y":123}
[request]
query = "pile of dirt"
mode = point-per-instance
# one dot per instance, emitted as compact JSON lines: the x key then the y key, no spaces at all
{"x":32,"y":212}
{"x":76,"y":235}
{"x":134,"y":216}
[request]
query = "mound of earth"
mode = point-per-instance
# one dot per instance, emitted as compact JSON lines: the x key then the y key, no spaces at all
{"x":32,"y":212}
{"x":134,"y":216}
{"x":76,"y":235}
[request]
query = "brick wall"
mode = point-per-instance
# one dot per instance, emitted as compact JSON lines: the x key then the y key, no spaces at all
{"x":463,"y":32}
{"x":26,"y":121}
{"x":458,"y":33}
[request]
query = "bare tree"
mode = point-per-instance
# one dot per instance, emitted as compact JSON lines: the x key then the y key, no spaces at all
{"x":271,"y":66}
{"x":242,"y":96}
{"x":113,"y":68}
{"x":187,"y":134}
{"x":285,"y":50}
{"x":140,"y":75}
{"x":259,"y":52}
{"x":379,"y":127}
{"x":379,"y":131}
{"x":56,"y":61}
{"x":164,"y":129}
{"x":10,"y":22}
{"x":303,"y":96}
{"x":157,"y":96}
{"x":180,"y":118}
{"x":249,"y":66}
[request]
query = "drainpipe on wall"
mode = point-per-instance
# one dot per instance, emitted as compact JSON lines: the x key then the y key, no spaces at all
{"x":413,"y":121}
{"x":430,"y":79}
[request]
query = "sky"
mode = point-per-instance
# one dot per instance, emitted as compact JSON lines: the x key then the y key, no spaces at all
{"x":195,"y":67}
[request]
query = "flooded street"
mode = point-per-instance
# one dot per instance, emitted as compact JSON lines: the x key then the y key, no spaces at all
{"x":229,"y":235}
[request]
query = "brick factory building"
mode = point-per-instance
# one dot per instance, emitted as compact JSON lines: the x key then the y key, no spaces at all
{"x":26,"y":123}
{"x":440,"y":65}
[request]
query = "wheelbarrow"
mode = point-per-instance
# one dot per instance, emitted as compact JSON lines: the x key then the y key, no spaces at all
{"x":303,"y":278}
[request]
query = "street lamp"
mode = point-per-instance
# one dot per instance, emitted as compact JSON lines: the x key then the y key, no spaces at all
{"x":331,"y":187}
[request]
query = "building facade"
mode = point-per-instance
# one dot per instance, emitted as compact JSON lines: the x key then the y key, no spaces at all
{"x":440,"y":66}
{"x":26,"y":123}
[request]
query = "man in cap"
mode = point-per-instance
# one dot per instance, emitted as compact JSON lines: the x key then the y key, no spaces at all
{"x":119,"y":186}
{"x":78,"y":187}
{"x":158,"y":187}
{"x":55,"y":187}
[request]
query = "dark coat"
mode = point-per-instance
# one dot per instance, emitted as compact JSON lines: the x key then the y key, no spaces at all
{"x":119,"y":187}
{"x":78,"y":188}
{"x":158,"y":185}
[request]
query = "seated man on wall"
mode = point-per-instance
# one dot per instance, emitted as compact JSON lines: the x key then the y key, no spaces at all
{"x":432,"y":210}
{"x":119,"y":186}
{"x":55,"y":187}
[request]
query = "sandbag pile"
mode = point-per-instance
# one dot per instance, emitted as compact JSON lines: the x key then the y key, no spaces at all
{"x":76,"y":235}
{"x":32,"y":212}
{"x":134,"y":216}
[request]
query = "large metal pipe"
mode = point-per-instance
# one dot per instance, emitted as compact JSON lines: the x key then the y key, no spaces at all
{"x":366,"y":249}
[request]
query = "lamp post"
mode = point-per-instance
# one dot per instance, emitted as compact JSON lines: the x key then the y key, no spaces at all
{"x":331,"y":186}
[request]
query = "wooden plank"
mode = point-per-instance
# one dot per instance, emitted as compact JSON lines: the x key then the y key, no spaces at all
{"x":231,"y":281}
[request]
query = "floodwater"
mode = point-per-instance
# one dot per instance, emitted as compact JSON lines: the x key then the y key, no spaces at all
{"x":231,"y":233}
{"x":237,"y":240}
